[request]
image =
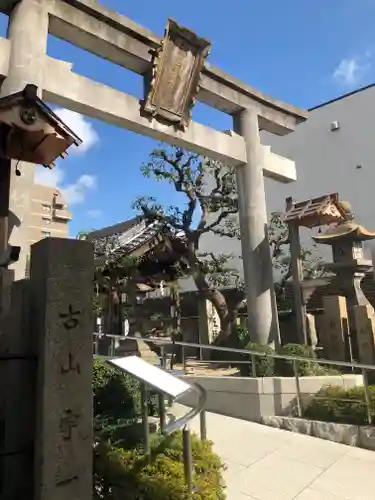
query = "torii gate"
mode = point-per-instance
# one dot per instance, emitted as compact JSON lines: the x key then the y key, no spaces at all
{"x":90,"y":26}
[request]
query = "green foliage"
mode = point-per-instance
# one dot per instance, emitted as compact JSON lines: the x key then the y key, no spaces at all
{"x":285,"y":368}
{"x":121,"y":471}
{"x":191,"y":175}
{"x":82,"y":235}
{"x":336,"y":404}
{"x":128,"y":475}
{"x":238,"y":339}
{"x":98,"y":303}
{"x":264,"y":365}
{"x":210,"y":196}
{"x":242,"y":334}
{"x":278,"y":237}
{"x":209,"y":204}
{"x":116,"y":396}
{"x":268,"y":367}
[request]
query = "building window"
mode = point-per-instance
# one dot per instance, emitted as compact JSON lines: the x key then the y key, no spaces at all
{"x":46,"y":208}
{"x":46,"y":234}
{"x":46,"y":220}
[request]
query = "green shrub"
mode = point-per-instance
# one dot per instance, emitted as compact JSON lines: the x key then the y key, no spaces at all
{"x":319,"y":370}
{"x":237,"y":339}
{"x":242,"y":334}
{"x":116,"y":396}
{"x":264,"y":365}
{"x":124,"y":433}
{"x":336,"y":404}
{"x":284,"y":367}
{"x":269,"y":367}
{"x":128,"y":475}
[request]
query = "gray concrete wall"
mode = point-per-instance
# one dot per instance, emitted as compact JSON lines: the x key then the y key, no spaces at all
{"x":326,"y":162}
{"x":253,"y":398}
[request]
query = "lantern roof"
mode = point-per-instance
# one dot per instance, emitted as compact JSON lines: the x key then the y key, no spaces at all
{"x":315,"y":212}
{"x":347,"y":231}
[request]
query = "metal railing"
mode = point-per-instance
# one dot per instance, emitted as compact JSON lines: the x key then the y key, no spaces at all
{"x":342,"y":366}
{"x":181,"y":423}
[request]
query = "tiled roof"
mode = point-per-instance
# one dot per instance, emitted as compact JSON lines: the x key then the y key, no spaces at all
{"x":107,"y":231}
{"x":158,"y":250}
{"x":315,"y":211}
{"x":129,"y":235}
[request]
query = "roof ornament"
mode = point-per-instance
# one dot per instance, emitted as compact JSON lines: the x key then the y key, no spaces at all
{"x":29,"y":132}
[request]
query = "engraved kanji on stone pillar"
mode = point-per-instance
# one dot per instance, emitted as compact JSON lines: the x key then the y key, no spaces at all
{"x":335,"y":334}
{"x":364,"y":321}
{"x":61,"y":278}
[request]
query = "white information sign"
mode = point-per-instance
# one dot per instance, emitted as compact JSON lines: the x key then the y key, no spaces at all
{"x":152,"y":375}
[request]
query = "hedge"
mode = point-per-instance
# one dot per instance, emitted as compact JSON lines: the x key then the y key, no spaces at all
{"x":128,"y":475}
{"x":277,"y":367}
{"x":117,"y":396}
{"x":336,"y":404}
{"x":121,"y":472}
{"x":284,"y":367}
{"x":264,"y":365}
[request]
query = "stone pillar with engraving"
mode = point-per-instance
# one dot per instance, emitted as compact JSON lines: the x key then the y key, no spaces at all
{"x":364,"y":321}
{"x":335,"y":335}
{"x":311,"y":330}
{"x":349,"y":265}
{"x":209,"y":317}
{"x":61,"y":286}
{"x":208,"y":324}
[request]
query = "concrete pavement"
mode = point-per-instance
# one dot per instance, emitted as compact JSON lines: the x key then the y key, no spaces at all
{"x":264,"y":463}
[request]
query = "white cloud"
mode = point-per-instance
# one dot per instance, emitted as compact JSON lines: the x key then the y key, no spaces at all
{"x":88,"y":181}
{"x":48,"y":177}
{"x":73,"y":193}
{"x":351,"y":71}
{"x":80,"y":127}
{"x":94,"y":213}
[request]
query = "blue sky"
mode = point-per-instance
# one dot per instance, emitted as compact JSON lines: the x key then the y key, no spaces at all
{"x":304,"y":52}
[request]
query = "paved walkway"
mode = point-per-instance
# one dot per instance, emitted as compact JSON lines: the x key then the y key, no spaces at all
{"x":264,"y":463}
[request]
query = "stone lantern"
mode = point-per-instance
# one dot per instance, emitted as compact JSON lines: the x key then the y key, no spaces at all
{"x":349,"y":264}
{"x":314,"y":212}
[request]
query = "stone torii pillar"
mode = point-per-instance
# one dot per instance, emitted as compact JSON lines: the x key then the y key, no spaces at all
{"x":263,"y":325}
{"x":27,"y":34}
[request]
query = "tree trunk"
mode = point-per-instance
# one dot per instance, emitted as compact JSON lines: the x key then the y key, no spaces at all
{"x":135,"y":317}
{"x":116,"y":310}
{"x":218,"y":300}
{"x":212,"y":294}
{"x":176,"y":317}
{"x":176,"y":304}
